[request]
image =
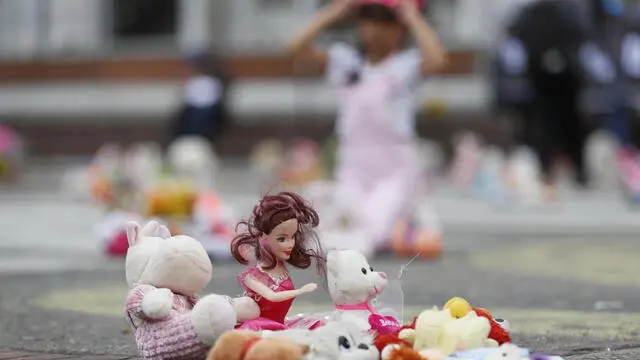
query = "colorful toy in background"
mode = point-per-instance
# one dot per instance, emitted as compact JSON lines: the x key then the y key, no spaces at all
{"x":129,"y":184}
{"x":302,"y":164}
{"x":111,"y":181}
{"x":490,"y":177}
{"x":192,"y":158}
{"x":171,"y":198}
{"x":11,"y":153}
{"x":466,"y":160}
{"x":266,"y":158}
{"x":413,"y":237}
{"x":601,"y":157}
{"x":112,"y":233}
{"x":525,"y":174}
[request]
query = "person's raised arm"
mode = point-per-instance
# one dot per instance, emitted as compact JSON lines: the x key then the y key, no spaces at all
{"x":303,"y":47}
{"x":434,"y":56}
{"x":265,"y":292}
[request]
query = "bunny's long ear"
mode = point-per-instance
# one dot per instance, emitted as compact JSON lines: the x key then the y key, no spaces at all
{"x":133,"y":232}
{"x":163,"y":232}
{"x":151,"y":229}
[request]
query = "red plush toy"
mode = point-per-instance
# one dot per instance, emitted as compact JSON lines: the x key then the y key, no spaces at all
{"x":381,"y":341}
{"x":497,"y":333}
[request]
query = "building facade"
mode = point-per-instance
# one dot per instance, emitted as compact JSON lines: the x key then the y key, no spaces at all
{"x":94,"y":28}
{"x":119,"y":61}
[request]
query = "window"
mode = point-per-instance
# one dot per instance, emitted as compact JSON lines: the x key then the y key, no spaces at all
{"x":144,"y":18}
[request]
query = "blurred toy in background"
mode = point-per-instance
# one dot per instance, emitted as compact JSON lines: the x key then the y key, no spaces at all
{"x":112,"y":184}
{"x":105,"y":170}
{"x":302,"y":164}
{"x":112,"y":233}
{"x":193,"y":158}
{"x":266,"y":158}
{"x":129,"y":184}
{"x":466,"y":160}
{"x":171,"y":198}
{"x":201,"y":215}
{"x":12,"y":154}
{"x":601,"y":158}
{"x":422,"y":237}
{"x":490,"y":178}
{"x":524,"y":177}
{"x":143,"y":163}
{"x":213,"y":224}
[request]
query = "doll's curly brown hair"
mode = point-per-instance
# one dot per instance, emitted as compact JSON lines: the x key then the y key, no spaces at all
{"x":271,"y":211}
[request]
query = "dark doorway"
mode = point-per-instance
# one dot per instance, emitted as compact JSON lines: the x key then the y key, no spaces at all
{"x":144,"y":18}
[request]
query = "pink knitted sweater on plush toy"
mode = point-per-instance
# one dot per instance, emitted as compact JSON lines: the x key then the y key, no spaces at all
{"x":168,"y":337}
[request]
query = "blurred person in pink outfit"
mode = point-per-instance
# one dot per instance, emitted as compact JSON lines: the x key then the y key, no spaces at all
{"x":378,"y":167}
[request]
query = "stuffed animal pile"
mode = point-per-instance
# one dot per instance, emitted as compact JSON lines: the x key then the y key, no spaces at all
{"x":169,"y":321}
{"x":129,"y":184}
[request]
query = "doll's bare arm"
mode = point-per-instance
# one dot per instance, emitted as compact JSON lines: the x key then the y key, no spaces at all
{"x":265,"y":292}
{"x":303,"y":47}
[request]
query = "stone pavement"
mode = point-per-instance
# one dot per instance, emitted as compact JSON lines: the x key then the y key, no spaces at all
{"x":575,"y":294}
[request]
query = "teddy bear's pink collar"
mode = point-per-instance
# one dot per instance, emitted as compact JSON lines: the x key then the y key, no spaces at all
{"x":363,"y":306}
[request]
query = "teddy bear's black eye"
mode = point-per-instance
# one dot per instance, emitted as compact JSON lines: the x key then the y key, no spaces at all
{"x":344,"y":343}
{"x":371,"y":268}
{"x":364,"y":271}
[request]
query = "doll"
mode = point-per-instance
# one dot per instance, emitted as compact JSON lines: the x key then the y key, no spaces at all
{"x":280,"y":231}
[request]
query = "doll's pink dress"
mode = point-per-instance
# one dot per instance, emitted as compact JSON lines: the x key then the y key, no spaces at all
{"x":272,"y":314}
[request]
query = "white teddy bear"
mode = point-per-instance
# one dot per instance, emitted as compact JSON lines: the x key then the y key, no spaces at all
{"x":353,"y":284}
{"x":164,"y":274}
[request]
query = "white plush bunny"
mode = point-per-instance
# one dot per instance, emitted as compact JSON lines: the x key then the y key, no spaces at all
{"x":165,"y":273}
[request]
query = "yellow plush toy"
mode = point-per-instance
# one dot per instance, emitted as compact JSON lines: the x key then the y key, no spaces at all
{"x":429,"y":328}
{"x":467,"y":333}
{"x":458,"y":307}
{"x":440,"y":330}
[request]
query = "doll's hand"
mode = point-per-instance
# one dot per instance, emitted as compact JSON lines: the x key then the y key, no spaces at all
{"x":157,"y":303}
{"x":308,"y":288}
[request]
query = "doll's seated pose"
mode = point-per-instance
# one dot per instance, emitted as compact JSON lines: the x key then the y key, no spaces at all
{"x":279,"y":232}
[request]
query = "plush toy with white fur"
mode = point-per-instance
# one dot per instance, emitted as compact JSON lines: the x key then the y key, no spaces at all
{"x":193,"y":157}
{"x":164,"y":274}
{"x":353,"y":284}
{"x":339,"y":339}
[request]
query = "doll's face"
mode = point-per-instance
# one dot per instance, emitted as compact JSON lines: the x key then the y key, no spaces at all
{"x":281,"y":241}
